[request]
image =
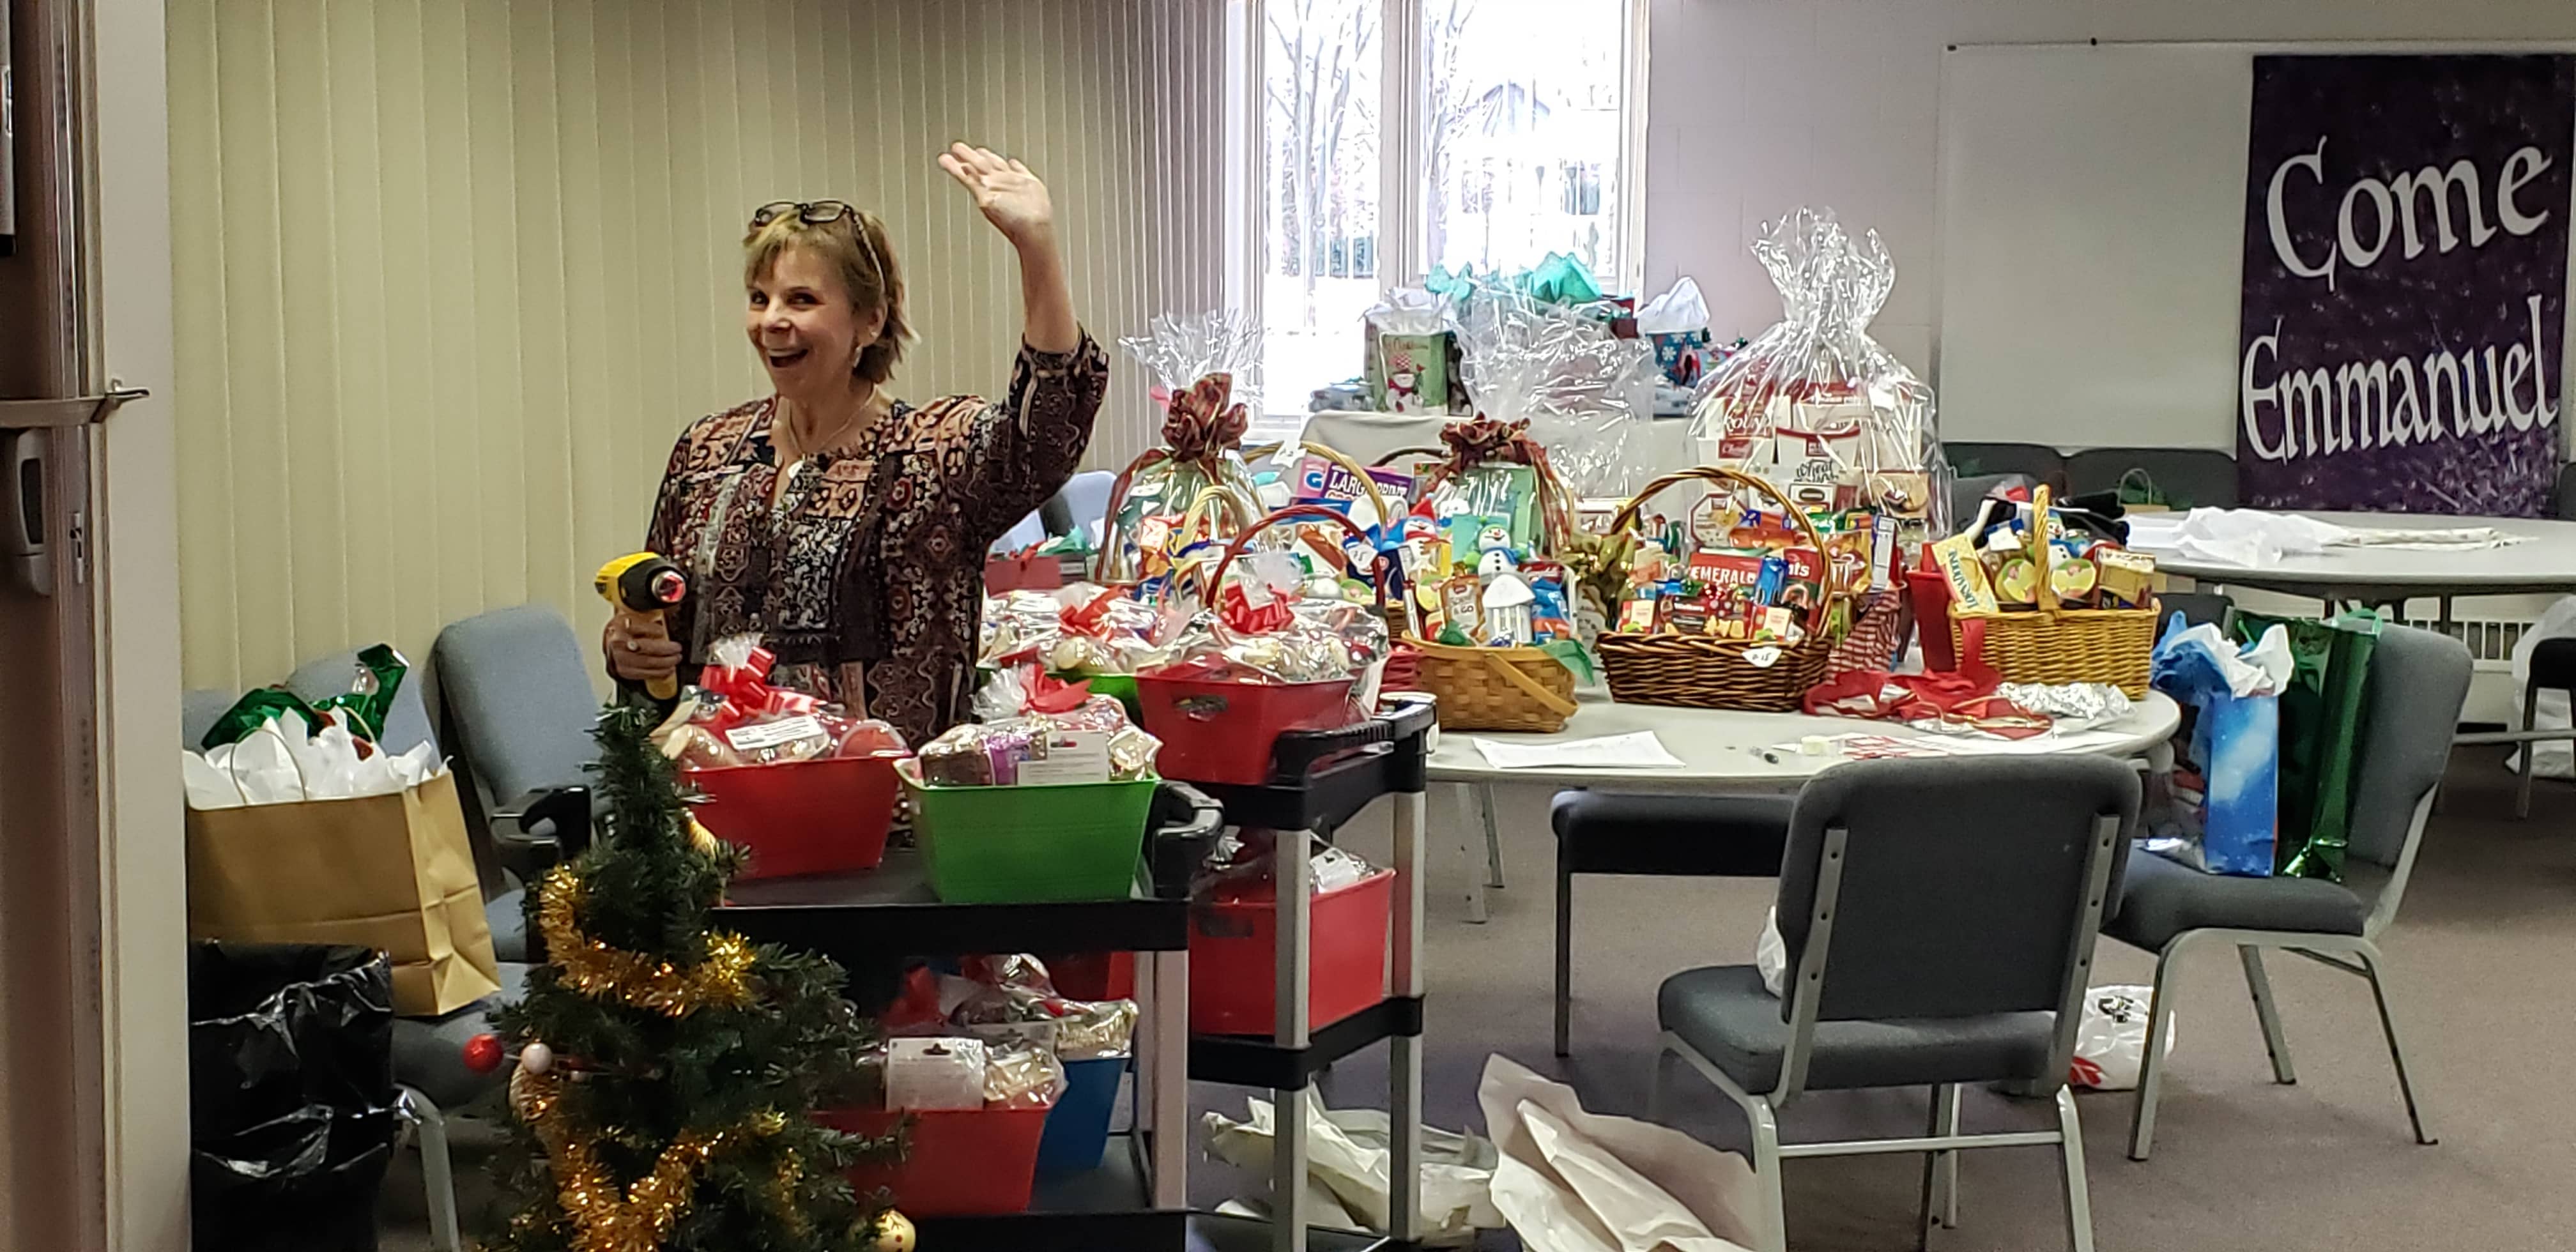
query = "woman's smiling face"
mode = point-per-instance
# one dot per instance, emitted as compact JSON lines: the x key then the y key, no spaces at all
{"x":801,"y":321}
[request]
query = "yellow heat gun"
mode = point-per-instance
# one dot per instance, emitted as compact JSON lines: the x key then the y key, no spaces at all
{"x":645,"y":585}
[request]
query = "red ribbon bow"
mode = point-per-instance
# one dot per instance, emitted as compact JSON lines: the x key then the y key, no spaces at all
{"x":1199,"y":424}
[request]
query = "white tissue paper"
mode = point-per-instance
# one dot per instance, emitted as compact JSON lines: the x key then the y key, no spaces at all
{"x":1575,"y":1181}
{"x":280,"y":764}
{"x":2261,"y":670}
{"x":1350,"y":1156}
{"x":1676,"y":312}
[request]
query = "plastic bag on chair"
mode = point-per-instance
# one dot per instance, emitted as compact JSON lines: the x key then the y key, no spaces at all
{"x":1349,"y":1155}
{"x":2549,"y":758}
{"x":1573,"y":1181}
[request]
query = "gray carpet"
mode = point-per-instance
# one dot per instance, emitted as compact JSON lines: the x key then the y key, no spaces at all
{"x":2483,"y":971}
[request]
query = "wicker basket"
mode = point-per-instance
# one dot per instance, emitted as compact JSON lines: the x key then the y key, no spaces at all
{"x":1698,"y":672}
{"x":1495,"y":688}
{"x":2058,"y":645}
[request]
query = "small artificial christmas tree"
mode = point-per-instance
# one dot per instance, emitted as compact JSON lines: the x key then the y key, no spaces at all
{"x":667,"y":1071}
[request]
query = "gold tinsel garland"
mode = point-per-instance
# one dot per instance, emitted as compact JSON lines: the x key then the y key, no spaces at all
{"x":638,"y":1218}
{"x":596,"y":970}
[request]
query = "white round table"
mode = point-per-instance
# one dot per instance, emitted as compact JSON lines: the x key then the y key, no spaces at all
{"x":1722,"y":753}
{"x":2545,"y":564}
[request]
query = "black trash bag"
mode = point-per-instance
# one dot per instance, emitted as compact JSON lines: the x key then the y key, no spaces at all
{"x":291,"y":1095}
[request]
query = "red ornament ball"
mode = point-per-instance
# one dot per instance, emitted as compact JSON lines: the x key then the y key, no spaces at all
{"x":483,"y":1053}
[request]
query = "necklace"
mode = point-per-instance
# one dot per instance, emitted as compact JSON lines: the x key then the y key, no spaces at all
{"x":795,"y":447}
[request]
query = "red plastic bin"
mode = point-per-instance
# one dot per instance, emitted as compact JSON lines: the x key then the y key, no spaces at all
{"x":1222,"y":732}
{"x":1234,"y":970}
{"x":966,"y":1163}
{"x":802,"y":817}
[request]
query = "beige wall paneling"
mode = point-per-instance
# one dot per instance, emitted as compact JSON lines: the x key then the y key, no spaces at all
{"x":451,"y":274}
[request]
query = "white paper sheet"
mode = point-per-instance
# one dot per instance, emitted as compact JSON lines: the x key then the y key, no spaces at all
{"x":1639,"y":750}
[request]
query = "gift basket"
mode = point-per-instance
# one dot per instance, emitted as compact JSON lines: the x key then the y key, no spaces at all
{"x":1489,"y":626}
{"x":1196,"y":486}
{"x":2041,"y":602}
{"x":1045,"y":799}
{"x":798,"y":783}
{"x":1263,"y":657}
{"x":993,"y":1079}
{"x":1079,"y":632}
{"x":1743,"y":621}
{"x":1817,"y":406}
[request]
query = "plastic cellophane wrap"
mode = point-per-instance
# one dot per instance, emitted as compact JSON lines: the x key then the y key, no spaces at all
{"x":1584,"y":392}
{"x":1264,"y":628}
{"x":1206,"y":368}
{"x":1080,"y":629}
{"x":1814,"y":405}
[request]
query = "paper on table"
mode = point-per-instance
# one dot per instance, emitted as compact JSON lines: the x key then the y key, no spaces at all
{"x":1639,"y":750}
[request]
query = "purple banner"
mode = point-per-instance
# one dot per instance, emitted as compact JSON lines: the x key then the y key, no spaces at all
{"x":2405,"y":283}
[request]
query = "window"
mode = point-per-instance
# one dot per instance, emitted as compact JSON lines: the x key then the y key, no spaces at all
{"x":1512,"y":136}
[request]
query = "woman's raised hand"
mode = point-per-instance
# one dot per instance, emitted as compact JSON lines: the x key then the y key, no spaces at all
{"x":1011,"y":197}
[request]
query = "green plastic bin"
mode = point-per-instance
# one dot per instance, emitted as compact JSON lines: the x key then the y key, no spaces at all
{"x":1026,"y":845}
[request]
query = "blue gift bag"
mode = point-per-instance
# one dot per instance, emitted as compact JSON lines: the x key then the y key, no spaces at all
{"x":2236,"y":746}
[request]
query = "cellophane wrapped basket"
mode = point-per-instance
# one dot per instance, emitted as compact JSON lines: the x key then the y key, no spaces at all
{"x":1205,"y":367}
{"x":1816,"y":405}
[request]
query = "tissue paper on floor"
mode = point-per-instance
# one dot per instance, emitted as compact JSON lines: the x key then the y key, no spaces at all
{"x":1573,"y":1181}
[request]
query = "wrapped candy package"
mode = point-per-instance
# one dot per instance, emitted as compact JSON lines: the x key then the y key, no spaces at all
{"x":1196,"y":485}
{"x":1813,"y":404}
{"x":733,"y":717}
{"x":1039,"y":729}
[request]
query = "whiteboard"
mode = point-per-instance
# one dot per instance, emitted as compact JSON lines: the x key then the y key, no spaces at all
{"x":2092,"y":202}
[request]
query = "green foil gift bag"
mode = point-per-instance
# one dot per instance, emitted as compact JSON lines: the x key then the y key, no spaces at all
{"x":2323,"y":713}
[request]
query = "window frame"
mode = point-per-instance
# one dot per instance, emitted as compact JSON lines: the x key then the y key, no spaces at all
{"x":1403,"y":173}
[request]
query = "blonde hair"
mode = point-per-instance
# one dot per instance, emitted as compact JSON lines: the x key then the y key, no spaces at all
{"x":856,"y":245}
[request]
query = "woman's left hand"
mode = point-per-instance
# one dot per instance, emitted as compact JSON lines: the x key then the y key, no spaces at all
{"x":1011,"y":197}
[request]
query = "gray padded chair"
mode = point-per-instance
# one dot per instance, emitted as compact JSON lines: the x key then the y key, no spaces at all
{"x":1083,"y":502}
{"x":1657,"y":836}
{"x":2032,"y":460}
{"x":514,"y":689}
{"x":2418,"y":681}
{"x":1940,"y":919}
{"x":2189,"y":477}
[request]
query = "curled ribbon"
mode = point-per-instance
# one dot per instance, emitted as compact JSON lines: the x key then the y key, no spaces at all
{"x":1199,"y":424}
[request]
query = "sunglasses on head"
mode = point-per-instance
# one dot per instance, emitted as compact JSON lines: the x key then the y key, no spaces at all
{"x":817,"y":213}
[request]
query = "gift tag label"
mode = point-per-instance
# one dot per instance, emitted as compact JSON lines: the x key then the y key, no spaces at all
{"x":1762,"y":658}
{"x":1072,"y":756}
{"x":761,"y":735}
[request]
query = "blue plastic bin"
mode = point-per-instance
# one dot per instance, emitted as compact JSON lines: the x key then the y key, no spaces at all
{"x":1077,"y":1129}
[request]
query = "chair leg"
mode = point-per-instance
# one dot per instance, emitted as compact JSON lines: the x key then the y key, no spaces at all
{"x":1468,"y":856}
{"x":2530,"y":711}
{"x":1493,"y":839}
{"x":2151,"y":1070}
{"x":1659,"y":1085}
{"x":1564,"y":949}
{"x":1940,"y":1169}
{"x":2268,"y":1013}
{"x":2396,"y":1054}
{"x":1771,"y":1225}
{"x":437,"y":1175}
{"x":2070,"y":1151}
